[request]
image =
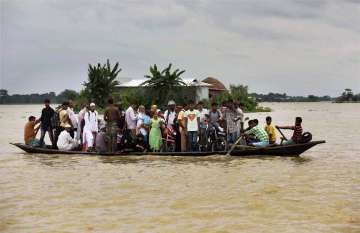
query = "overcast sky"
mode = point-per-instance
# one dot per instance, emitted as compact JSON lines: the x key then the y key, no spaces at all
{"x":299,"y":47}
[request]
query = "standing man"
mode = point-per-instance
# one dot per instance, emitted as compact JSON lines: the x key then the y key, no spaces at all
{"x":230,"y":115}
{"x":72,"y":119}
{"x":63,"y":116}
{"x":91,"y":128}
{"x":182,"y":127}
{"x":170,"y":114}
{"x":81,"y":122}
{"x":112,"y":116}
{"x":131,"y":120}
{"x":177,"y":129}
{"x":215,"y":116}
{"x":239,"y":107}
{"x":46,"y":115}
{"x":204,"y":114}
{"x":143,"y":123}
{"x":192,"y":122}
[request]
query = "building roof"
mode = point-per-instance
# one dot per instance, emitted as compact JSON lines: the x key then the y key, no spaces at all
{"x":188,"y":81}
{"x":215,"y":84}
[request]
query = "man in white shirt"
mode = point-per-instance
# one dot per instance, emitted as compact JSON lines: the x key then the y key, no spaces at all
{"x":65,"y":141}
{"x":131,"y":120}
{"x":192,"y":122}
{"x":240,"y":114}
{"x":72,"y":118}
{"x":204,"y":114}
{"x":170,"y":114}
{"x":91,"y":128}
{"x":81,"y":123}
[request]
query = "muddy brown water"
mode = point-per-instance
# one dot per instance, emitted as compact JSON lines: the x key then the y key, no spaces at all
{"x":317,"y":192}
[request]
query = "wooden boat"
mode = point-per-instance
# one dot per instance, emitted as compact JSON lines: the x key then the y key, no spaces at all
{"x":275,"y":150}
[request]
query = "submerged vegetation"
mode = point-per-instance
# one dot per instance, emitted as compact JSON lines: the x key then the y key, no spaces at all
{"x":277,"y":97}
{"x":161,"y":85}
{"x":348,"y":96}
{"x":36,"y":98}
{"x":101,"y":83}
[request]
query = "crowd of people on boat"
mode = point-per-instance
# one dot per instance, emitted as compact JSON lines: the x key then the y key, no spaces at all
{"x":188,"y":127}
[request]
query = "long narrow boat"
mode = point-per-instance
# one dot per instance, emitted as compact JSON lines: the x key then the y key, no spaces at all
{"x":276,"y":150}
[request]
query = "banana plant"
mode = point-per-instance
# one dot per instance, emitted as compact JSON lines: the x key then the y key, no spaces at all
{"x":164,"y":83}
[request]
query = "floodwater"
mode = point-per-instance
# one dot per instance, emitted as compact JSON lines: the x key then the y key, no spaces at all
{"x":317,"y":192}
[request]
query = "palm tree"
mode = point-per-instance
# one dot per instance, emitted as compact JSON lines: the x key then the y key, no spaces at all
{"x":101,"y":82}
{"x":164,"y":83}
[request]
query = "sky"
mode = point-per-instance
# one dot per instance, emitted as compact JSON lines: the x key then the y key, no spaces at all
{"x":298,"y":47}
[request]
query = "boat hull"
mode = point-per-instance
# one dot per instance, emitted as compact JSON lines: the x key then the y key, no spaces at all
{"x":278,"y":150}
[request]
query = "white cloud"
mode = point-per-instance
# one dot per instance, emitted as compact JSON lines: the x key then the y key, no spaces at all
{"x":298,"y":47}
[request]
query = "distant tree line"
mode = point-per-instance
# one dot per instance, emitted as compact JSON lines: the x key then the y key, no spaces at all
{"x":278,"y":97}
{"x":36,"y":98}
{"x":348,"y":96}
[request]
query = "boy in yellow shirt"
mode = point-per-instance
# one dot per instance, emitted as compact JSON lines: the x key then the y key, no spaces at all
{"x":270,"y":130}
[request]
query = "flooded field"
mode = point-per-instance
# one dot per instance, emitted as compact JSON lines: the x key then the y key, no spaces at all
{"x":317,"y":192}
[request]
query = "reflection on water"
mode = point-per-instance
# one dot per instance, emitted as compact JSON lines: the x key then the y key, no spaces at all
{"x":317,"y":192}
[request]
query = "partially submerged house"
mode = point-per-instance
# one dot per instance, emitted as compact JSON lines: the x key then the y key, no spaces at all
{"x":216,"y":87}
{"x":194,"y":89}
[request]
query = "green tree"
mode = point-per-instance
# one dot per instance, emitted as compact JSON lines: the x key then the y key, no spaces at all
{"x":238,"y":93}
{"x":165,"y":83}
{"x":67,"y":95}
{"x":101,"y":82}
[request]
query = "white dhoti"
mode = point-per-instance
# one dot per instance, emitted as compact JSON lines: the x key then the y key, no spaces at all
{"x":71,"y":146}
{"x":88,"y":138}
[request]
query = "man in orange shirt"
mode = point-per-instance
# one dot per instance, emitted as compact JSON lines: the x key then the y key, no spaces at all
{"x":30,"y":132}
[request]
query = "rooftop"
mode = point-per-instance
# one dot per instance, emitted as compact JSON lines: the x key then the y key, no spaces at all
{"x":188,"y":81}
{"x":215,"y":84}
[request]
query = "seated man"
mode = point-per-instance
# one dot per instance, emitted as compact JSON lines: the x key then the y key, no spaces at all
{"x":102,"y":140}
{"x":30,"y":132}
{"x":259,"y":133}
{"x":270,"y":130}
{"x":297,"y":131}
{"x":65,"y":141}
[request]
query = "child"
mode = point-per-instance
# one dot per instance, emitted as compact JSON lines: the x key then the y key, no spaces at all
{"x":270,"y":130}
{"x":140,"y":143}
{"x":120,"y":140}
{"x":296,"y":138}
{"x":155,"y":139}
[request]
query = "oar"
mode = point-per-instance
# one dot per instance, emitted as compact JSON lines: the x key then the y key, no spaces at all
{"x":237,"y":141}
{"x":233,"y":146}
{"x":283,"y":136}
{"x":37,"y":129}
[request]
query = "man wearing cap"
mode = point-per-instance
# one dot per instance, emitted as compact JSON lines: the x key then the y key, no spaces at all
{"x":90,"y":128}
{"x":170,"y":114}
{"x":65,"y":141}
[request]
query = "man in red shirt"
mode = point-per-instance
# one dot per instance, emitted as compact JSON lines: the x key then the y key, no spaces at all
{"x":296,"y":138}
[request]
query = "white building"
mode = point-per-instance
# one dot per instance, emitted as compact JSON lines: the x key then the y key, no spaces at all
{"x":202,"y":88}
